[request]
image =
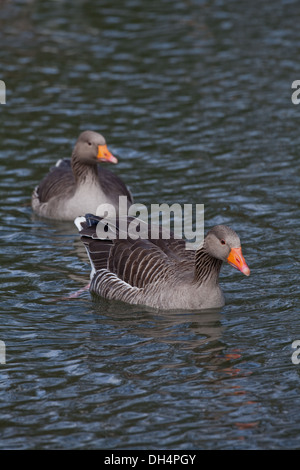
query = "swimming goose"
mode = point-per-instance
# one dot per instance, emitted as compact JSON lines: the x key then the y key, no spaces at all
{"x":160,"y":273}
{"x":77,"y":186}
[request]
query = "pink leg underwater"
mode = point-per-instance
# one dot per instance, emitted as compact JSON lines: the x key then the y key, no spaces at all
{"x":74,"y":295}
{"x":78,"y":292}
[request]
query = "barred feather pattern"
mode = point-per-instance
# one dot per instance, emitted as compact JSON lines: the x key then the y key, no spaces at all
{"x":109,"y":286}
{"x":206,"y":267}
{"x":158,"y":273}
{"x":83,"y":171}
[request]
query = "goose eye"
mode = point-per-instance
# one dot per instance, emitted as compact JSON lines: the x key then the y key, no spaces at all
{"x":89,"y":143}
{"x":223,"y":242}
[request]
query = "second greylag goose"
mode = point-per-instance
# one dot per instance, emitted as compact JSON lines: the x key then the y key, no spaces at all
{"x":160,"y":273}
{"x":77,"y":186}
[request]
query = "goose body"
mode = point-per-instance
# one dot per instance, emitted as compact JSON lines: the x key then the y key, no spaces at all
{"x":160,"y":273}
{"x":77,"y":186}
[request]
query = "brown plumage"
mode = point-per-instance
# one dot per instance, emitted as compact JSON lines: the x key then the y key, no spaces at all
{"x":77,"y":186}
{"x":160,"y":273}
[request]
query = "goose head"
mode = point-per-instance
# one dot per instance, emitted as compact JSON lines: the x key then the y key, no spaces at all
{"x":223,"y":243}
{"x":91,"y":148}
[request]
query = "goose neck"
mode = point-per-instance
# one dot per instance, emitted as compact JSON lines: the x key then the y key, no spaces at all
{"x":83,"y":171}
{"x":207,"y":268}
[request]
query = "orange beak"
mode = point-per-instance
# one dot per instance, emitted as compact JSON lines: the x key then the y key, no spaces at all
{"x":237,"y":260}
{"x":105,"y":155}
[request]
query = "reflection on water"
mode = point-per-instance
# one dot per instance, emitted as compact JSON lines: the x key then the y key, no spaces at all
{"x":195,"y":99}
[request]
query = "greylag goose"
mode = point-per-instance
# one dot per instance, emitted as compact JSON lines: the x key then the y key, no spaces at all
{"x":160,"y":273}
{"x":77,"y":186}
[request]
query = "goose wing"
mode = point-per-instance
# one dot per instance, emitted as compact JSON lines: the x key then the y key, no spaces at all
{"x":59,"y":181}
{"x":113,"y":186}
{"x":138,"y":262}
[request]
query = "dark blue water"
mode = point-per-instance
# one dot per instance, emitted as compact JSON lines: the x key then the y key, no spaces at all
{"x":195,"y":99}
